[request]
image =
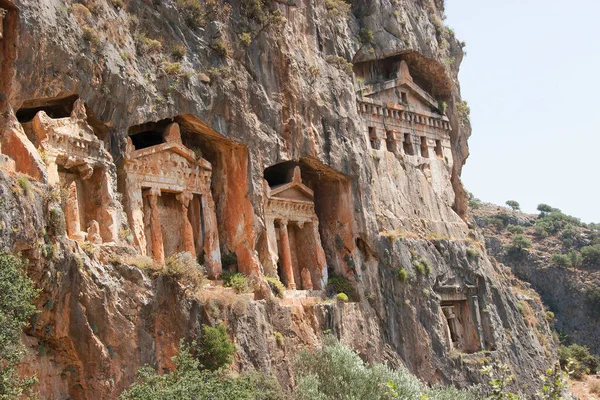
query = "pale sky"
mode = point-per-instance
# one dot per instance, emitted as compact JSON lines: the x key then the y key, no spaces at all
{"x":532,"y":79}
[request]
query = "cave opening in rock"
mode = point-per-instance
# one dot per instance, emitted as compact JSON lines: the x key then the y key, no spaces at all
{"x":424,"y":147}
{"x":148,"y":134}
{"x":54,"y":108}
{"x":407,"y":145}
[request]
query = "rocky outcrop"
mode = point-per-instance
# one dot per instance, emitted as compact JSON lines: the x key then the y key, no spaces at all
{"x":256,"y":93}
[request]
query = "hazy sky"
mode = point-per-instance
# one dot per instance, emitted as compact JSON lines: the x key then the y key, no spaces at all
{"x":532,"y":79}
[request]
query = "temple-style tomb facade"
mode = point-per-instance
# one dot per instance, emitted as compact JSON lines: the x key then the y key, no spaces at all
{"x":168,"y":197}
{"x":295,"y":251}
{"x":404,"y":119}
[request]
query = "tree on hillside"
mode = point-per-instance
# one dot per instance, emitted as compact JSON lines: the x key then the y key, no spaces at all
{"x":16,"y":295}
{"x":514,"y":205}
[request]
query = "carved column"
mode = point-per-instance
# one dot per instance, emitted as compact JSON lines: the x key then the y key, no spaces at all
{"x":477,"y":321}
{"x":188,"y":232}
{"x":158,"y":250}
{"x":212,"y":252}
{"x":286,"y":255}
{"x":3,"y":13}
{"x":72,"y":213}
{"x":319,"y":281}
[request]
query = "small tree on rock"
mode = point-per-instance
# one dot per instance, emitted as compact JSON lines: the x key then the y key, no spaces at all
{"x":514,"y":205}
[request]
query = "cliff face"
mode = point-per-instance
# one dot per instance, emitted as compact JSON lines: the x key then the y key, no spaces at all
{"x":566,"y":286}
{"x":258,"y":89}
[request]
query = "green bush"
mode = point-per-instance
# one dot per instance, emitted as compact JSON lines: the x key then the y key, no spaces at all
{"x":235,"y":280}
{"x":341,"y":285}
{"x":16,"y":296}
{"x":193,"y":11}
{"x":336,"y":372}
{"x":337,"y":8}
{"x":402,"y":274}
{"x":215,"y":350}
{"x":545,"y":208}
{"x":25,"y":185}
{"x":342,"y":297}
{"x":276,"y":286}
{"x":514,"y":205}
{"x":366,"y":36}
{"x":593,"y":299}
{"x":591,"y":254}
{"x":184,"y":268}
{"x":188,"y":381}
{"x":178,"y":52}
{"x":245,"y":39}
{"x":562,"y":260}
{"x":578,"y":359}
{"x":422,"y":266}
{"x":515,"y":229}
{"x":551,"y":223}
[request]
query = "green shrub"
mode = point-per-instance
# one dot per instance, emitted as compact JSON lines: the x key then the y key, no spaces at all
{"x":549,"y":316}
{"x":336,"y":372}
{"x":402,"y":274}
{"x":341,"y":285}
{"x":545,"y":208}
{"x":276,"y":286}
{"x":495,"y":221}
{"x":278,"y":338}
{"x":422,"y":266}
{"x":515,"y":229}
{"x":245,"y":39}
{"x":561,"y":260}
{"x":24,"y":184}
{"x":337,"y":8}
{"x":342,"y":297}
{"x":149,"y":45}
{"x":514,"y":205}
{"x":235,"y":280}
{"x":215,"y":349}
{"x":184,"y":268}
{"x":591,"y":254}
{"x":91,"y":35}
{"x":178,"y":52}
{"x":464,"y":112}
{"x":593,"y":299}
{"x":473,"y":252}
{"x":173,"y":69}
{"x":553,"y":222}
{"x":221,"y":47}
{"x":366,"y":36}
{"x":521,"y":242}
{"x":188,"y":381}
{"x":193,"y":11}
{"x":578,"y":359}
{"x":341,"y":63}
{"x":16,"y":296}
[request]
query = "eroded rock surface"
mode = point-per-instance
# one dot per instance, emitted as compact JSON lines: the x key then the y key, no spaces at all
{"x":329,"y":143}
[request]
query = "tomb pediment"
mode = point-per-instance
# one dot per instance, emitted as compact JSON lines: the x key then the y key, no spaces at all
{"x":173,"y":154}
{"x":291,"y":191}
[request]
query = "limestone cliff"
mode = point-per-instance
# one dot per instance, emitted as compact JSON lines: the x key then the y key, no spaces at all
{"x":258,"y":124}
